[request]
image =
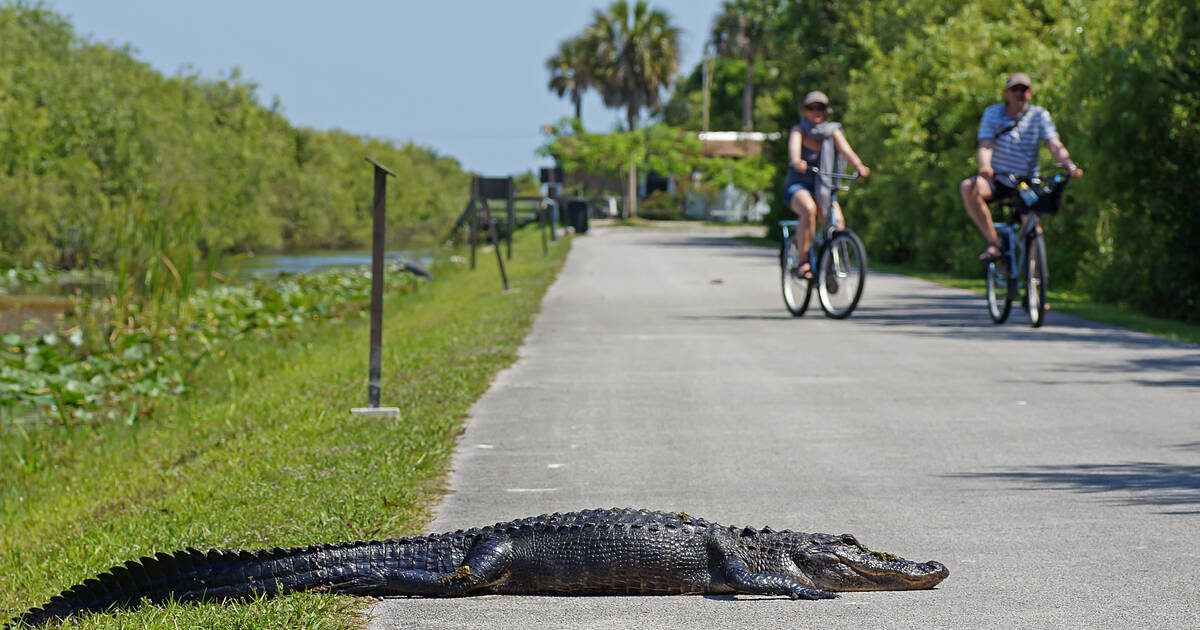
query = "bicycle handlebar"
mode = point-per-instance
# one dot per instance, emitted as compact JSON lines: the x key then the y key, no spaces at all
{"x":816,"y":171}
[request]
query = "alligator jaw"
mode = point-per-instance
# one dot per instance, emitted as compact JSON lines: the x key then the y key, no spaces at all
{"x":902,"y":576}
{"x":843,"y":564}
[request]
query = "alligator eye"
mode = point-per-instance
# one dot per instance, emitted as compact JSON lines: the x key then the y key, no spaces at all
{"x":849,"y":539}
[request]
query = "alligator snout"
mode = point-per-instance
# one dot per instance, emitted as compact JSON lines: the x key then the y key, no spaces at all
{"x":935,"y":572}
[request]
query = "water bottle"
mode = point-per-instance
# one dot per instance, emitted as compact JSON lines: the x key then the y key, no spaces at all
{"x":1027,"y":194}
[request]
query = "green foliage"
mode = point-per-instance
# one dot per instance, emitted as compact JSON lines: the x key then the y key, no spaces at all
{"x":686,"y":106}
{"x":105,"y":162}
{"x":1138,"y":86}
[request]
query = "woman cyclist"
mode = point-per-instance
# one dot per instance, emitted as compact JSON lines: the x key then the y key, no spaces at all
{"x":813,"y":143}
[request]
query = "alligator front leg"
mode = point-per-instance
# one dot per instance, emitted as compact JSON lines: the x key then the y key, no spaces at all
{"x":737,"y":576}
{"x":742,"y":580}
{"x":486,"y":563}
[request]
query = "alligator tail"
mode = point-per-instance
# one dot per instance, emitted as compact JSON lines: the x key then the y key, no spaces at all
{"x":192,"y":574}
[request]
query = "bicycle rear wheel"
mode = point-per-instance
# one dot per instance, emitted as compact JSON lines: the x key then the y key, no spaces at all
{"x":797,"y":291}
{"x":1037,"y":277}
{"x":999,"y":290}
{"x":842,"y":273}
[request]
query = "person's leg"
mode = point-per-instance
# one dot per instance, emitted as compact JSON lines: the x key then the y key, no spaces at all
{"x":805,"y":207}
{"x":839,"y":220}
{"x":976,"y":191}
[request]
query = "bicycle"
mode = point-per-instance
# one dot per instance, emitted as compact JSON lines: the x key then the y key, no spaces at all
{"x":837,"y":257}
{"x":1023,"y":246}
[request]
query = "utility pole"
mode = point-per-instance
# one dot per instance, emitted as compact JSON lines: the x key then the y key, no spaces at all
{"x":707,"y":66}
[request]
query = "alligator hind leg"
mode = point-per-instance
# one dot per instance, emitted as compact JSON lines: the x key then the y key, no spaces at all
{"x":486,"y":563}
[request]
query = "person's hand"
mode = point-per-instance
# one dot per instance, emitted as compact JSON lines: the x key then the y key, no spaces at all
{"x":801,"y":166}
{"x":1075,"y":171}
{"x":863,"y":171}
{"x":986,"y":172}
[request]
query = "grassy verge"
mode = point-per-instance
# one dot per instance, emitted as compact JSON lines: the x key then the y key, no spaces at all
{"x":264,"y":452}
{"x":1070,"y":302}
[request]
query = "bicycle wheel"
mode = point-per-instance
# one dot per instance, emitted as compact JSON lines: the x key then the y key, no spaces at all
{"x":999,"y":290}
{"x":842,"y":272}
{"x":796,"y":290}
{"x":1036,"y":280}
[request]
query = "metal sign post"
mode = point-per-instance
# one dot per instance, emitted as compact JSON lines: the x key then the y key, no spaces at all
{"x":374,"y":382}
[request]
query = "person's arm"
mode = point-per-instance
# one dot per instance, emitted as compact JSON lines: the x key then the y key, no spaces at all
{"x":843,"y":147}
{"x":1062,"y":156}
{"x":983,"y":155}
{"x":795,"y":139}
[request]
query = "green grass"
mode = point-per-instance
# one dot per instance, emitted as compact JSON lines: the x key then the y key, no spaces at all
{"x":264,"y":452}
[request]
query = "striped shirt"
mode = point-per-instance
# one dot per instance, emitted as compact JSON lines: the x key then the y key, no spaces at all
{"x":1016,"y":151}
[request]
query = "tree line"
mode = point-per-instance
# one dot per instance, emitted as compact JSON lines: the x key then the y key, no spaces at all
{"x":909,"y":80}
{"x":106,"y":162}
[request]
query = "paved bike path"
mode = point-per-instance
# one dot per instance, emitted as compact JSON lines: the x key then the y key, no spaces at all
{"x":1056,"y":471}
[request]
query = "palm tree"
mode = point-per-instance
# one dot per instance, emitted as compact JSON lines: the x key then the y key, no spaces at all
{"x":571,"y":70}
{"x":637,"y":55}
{"x":738,"y":32}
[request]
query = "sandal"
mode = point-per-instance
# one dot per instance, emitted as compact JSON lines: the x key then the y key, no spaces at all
{"x":991,"y":254}
{"x":804,"y":271}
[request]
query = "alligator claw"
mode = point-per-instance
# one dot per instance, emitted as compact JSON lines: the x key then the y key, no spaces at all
{"x":813,"y":593}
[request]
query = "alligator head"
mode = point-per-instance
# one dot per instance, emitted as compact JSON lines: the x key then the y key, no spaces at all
{"x":841,"y":563}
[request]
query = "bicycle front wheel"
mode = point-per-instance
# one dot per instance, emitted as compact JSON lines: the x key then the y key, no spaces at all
{"x":1037,"y":277}
{"x":797,"y":291}
{"x":999,"y":290}
{"x":841,"y":274}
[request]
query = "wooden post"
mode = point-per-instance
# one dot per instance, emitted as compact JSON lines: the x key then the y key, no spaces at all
{"x":491,"y":223}
{"x":374,"y":381}
{"x":512,"y":216}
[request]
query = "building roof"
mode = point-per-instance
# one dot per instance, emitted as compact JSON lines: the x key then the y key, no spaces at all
{"x":735,"y":143}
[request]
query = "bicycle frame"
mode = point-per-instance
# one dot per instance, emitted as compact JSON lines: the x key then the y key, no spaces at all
{"x":1016,"y":250}
{"x":1023,"y":263}
{"x":835,"y":255}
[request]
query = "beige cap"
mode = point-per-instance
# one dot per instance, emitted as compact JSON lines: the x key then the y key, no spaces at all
{"x":816,"y":97}
{"x":1018,"y":78}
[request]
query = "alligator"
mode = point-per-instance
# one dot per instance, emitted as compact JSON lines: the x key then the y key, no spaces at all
{"x":592,"y":552}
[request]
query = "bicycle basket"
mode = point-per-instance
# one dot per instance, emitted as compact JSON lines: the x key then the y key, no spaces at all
{"x":1049,"y":194}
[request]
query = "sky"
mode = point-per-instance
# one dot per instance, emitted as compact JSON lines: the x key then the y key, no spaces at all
{"x":466,"y":78}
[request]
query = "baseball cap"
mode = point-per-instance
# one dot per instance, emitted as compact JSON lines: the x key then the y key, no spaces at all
{"x":1018,"y":78}
{"x":816,"y":97}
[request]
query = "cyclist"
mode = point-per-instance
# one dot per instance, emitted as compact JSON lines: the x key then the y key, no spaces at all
{"x":814,"y":142}
{"x":1009,"y":136}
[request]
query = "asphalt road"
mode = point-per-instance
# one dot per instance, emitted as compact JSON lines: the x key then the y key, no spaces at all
{"x":1056,"y":471}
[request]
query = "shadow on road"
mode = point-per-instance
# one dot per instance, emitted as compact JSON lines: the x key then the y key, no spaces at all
{"x":941,"y":314}
{"x":726,"y":245}
{"x":1151,"y":483}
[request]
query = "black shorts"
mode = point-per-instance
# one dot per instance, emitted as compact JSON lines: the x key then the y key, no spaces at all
{"x":1001,"y":188}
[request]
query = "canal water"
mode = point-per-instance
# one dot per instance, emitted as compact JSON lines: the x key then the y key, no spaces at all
{"x":28,"y":313}
{"x":276,"y":264}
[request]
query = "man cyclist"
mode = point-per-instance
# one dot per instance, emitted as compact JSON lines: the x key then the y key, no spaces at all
{"x":814,"y":142}
{"x":1009,"y":136}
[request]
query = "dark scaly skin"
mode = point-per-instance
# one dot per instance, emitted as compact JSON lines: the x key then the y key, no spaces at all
{"x":615,"y":551}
